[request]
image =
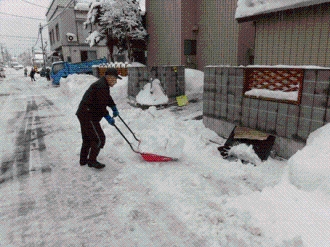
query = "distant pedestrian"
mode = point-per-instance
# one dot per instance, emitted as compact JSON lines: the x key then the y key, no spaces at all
{"x":25,"y":72}
{"x":92,"y":108}
{"x":48,"y":74}
{"x":32,"y":73}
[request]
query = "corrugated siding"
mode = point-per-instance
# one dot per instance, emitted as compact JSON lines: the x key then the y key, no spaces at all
{"x":165,"y":16}
{"x":297,"y":37}
{"x":218,"y":35}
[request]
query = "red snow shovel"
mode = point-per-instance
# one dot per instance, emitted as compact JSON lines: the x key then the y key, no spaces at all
{"x":149,"y":157}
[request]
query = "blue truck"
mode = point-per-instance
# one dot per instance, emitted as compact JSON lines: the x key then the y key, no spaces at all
{"x":63,"y":69}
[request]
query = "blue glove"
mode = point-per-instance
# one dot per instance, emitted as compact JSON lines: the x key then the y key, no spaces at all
{"x":115,"y":111}
{"x":110,"y":119}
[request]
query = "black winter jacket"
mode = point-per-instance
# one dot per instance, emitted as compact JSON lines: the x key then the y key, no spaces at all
{"x":93,"y":105}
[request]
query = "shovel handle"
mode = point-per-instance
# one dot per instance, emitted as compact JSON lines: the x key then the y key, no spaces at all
{"x":128,"y":128}
{"x":130,"y":144}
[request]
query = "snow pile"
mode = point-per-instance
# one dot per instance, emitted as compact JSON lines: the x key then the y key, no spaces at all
{"x":245,"y":152}
{"x":247,"y":8}
{"x":194,"y":82}
{"x":74,"y":87}
{"x":287,"y":213}
{"x":273,"y":94}
{"x":161,"y":140}
{"x":152,"y":94}
{"x":310,"y":167}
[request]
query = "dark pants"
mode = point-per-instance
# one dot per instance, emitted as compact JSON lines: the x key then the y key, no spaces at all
{"x":93,"y":139}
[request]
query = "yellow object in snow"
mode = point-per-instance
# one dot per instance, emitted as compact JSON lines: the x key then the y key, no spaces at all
{"x":182,"y":100}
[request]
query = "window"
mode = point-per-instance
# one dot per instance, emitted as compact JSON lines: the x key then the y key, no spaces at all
{"x":50,"y":38}
{"x":88,"y":55}
{"x":57,"y":32}
{"x":190,"y":47}
{"x":57,"y":67}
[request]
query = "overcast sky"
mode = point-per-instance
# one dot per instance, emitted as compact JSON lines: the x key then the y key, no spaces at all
{"x":19,"y":24}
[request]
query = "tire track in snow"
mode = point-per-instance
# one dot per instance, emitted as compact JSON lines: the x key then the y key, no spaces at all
{"x":30,"y":146}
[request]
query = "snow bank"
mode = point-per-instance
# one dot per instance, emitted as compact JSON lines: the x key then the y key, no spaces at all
{"x":287,"y":213}
{"x":74,"y":87}
{"x":310,"y":167}
{"x":152,"y":94}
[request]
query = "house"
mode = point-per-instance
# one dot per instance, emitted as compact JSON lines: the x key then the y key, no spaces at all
{"x":196,"y":33}
{"x":288,"y":32}
{"x":290,"y":54}
{"x":67,"y":34}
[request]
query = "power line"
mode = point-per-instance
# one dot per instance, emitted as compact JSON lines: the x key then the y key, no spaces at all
{"x":3,"y":13}
{"x":13,"y":36}
{"x":53,"y":19}
{"x":34,"y":4}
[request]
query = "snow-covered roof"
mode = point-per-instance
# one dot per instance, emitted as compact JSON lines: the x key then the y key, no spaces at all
{"x":249,"y":8}
{"x":82,"y":6}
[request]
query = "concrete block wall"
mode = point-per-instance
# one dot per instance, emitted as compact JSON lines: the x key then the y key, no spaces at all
{"x":171,"y":79}
{"x":226,"y":107}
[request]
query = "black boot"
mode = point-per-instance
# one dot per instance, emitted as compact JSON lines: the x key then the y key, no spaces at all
{"x":93,"y":156}
{"x":96,"y":165}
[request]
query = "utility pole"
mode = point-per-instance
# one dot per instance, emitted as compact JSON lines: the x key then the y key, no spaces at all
{"x":42,"y":48}
{"x":32,"y":57}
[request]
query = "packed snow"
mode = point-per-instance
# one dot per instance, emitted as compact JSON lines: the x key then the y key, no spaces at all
{"x":152,"y":94}
{"x":247,"y":8}
{"x":199,"y":200}
{"x":267,"y":93}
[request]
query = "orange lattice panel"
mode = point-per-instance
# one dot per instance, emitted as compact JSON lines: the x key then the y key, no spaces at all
{"x":276,"y":79}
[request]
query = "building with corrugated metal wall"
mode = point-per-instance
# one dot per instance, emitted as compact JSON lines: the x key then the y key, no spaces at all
{"x":196,"y":33}
{"x":296,"y":36}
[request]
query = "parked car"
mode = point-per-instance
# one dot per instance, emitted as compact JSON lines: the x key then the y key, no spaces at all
{"x":18,"y":67}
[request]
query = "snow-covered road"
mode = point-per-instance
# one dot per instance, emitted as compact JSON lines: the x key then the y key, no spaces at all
{"x":48,"y":199}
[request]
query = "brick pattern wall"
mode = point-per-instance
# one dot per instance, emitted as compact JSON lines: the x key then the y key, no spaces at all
{"x":171,"y":79}
{"x":224,"y":100}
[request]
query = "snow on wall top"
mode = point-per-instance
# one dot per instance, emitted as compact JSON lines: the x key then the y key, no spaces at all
{"x":248,"y":8}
